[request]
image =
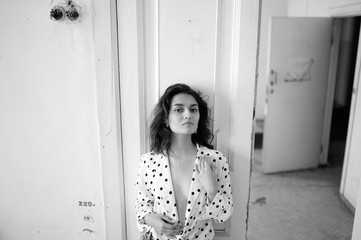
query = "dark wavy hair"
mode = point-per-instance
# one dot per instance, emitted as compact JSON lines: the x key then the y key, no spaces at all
{"x":160,"y":134}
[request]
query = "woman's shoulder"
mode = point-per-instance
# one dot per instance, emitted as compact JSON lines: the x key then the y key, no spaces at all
{"x":210,"y":152}
{"x":151,"y":156}
{"x":149,"y":160}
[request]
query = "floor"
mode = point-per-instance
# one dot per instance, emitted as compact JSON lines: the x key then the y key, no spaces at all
{"x":303,"y":205}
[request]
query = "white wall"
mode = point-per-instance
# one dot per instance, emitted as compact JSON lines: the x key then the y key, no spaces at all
{"x":50,"y":145}
{"x":308,"y":8}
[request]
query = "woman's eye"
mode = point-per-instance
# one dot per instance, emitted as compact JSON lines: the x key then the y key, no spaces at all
{"x":178,"y":109}
{"x":194,"y":110}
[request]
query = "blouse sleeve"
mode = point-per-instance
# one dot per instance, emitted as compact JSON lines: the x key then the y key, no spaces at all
{"x":222,"y":205}
{"x":145,"y":199}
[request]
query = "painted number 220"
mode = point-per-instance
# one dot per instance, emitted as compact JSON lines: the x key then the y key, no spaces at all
{"x":86,"y":204}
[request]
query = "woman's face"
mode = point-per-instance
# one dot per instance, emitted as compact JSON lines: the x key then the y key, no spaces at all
{"x":183,"y":114}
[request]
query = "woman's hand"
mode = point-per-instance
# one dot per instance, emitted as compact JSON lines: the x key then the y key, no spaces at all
{"x":163,"y":224}
{"x":207,"y":176}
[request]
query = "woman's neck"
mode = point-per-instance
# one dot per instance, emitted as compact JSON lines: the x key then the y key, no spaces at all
{"x":182,"y":145}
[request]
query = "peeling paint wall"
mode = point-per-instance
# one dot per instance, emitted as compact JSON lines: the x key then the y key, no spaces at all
{"x":50,"y":174}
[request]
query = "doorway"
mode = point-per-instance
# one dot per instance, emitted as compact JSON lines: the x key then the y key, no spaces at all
{"x":343,"y":93}
{"x":306,"y":204}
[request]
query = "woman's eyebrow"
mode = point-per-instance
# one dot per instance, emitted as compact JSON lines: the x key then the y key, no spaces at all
{"x":177,"y":104}
{"x":181,"y":105}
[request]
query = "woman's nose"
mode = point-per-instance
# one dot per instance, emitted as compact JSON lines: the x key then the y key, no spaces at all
{"x":187,"y":114}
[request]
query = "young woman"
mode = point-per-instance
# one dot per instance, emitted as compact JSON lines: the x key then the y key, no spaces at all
{"x":182,"y":183}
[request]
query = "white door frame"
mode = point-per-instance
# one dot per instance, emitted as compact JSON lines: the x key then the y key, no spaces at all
{"x":243,"y":67}
{"x":108,"y":101}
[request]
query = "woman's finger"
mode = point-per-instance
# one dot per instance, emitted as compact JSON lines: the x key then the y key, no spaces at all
{"x":197,"y":167}
{"x":207,"y":163}
{"x":171,"y":227}
{"x":172,"y":232}
{"x":167,"y":219}
{"x":200,"y":164}
{"x":203,"y":163}
{"x":214,"y":167}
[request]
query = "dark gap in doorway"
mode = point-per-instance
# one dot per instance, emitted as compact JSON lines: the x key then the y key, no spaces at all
{"x":343,"y":90}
